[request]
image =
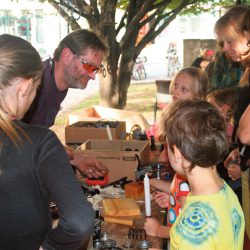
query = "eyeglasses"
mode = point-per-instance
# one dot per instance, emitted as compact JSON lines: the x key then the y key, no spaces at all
{"x":91,"y":68}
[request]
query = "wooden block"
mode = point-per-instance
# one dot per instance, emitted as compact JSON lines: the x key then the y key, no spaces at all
{"x":123,"y":221}
{"x":134,"y":190}
{"x":121,"y":207}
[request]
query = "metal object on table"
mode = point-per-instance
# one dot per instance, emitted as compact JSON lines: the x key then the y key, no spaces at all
{"x":128,"y":244}
{"x":98,"y":244}
{"x":137,"y":233}
{"x":155,"y":170}
{"x":89,"y":190}
{"x":105,"y":244}
{"x":109,"y":243}
{"x":144,"y":244}
{"x":119,"y":183}
{"x":97,"y":124}
{"x":104,"y":236}
{"x":112,"y":248}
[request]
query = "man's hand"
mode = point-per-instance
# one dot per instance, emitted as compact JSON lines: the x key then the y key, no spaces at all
{"x":89,"y":166}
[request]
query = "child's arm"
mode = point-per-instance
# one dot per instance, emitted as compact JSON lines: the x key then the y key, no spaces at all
{"x":153,"y":228}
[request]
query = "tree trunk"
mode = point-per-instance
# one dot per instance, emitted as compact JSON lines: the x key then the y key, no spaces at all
{"x":120,"y":35}
{"x":114,"y":87}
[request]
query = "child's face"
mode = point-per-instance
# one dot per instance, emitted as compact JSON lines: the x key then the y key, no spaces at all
{"x":235,"y":47}
{"x":222,"y":110}
{"x":183,"y":88}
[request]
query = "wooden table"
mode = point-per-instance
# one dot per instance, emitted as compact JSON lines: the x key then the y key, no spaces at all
{"x":119,"y":233}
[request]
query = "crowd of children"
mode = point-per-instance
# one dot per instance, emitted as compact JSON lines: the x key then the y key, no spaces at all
{"x":199,"y":129}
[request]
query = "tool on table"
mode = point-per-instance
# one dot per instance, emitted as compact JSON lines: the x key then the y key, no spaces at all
{"x":118,"y":183}
{"x":137,"y":233}
{"x":144,"y":244}
{"x":88,"y":190}
{"x":97,"y":124}
{"x":101,"y":181}
{"x":154,"y":170}
{"x":105,"y":244}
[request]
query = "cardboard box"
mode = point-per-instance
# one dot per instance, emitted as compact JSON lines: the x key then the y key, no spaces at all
{"x":96,"y":113}
{"x":115,"y":155}
{"x":81,"y":131}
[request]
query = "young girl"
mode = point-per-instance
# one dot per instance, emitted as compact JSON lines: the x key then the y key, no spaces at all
{"x":224,"y":101}
{"x":212,"y":217}
{"x":188,"y":84}
{"x":230,"y":171}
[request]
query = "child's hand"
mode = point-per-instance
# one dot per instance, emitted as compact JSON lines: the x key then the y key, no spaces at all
{"x":151,"y":226}
{"x":161,"y":199}
{"x":234,"y":171}
{"x":234,"y":156}
{"x":154,"y":183}
{"x":159,"y":185}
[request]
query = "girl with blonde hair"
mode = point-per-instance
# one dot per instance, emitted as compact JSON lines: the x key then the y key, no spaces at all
{"x":188,"y":84}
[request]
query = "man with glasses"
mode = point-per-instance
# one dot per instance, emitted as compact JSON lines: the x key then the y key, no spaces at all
{"x":77,"y":59}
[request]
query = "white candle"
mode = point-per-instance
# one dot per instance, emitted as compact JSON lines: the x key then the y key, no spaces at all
{"x":109,"y":132}
{"x":147,"y":196}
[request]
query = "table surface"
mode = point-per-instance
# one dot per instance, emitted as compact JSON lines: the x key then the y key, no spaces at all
{"x":119,"y":233}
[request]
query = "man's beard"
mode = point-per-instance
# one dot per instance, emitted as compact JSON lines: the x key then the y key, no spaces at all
{"x":73,"y":82}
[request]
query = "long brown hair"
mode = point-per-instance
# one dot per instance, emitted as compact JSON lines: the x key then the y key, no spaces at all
{"x":18,"y":59}
{"x":234,"y":23}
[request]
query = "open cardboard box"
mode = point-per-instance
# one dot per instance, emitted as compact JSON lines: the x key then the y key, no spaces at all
{"x":96,"y":113}
{"x":81,"y":131}
{"x":120,"y":156}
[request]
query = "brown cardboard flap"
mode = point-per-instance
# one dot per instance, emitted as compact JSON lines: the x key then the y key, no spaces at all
{"x":114,"y":155}
{"x":97,"y":112}
{"x":79,"y":134}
